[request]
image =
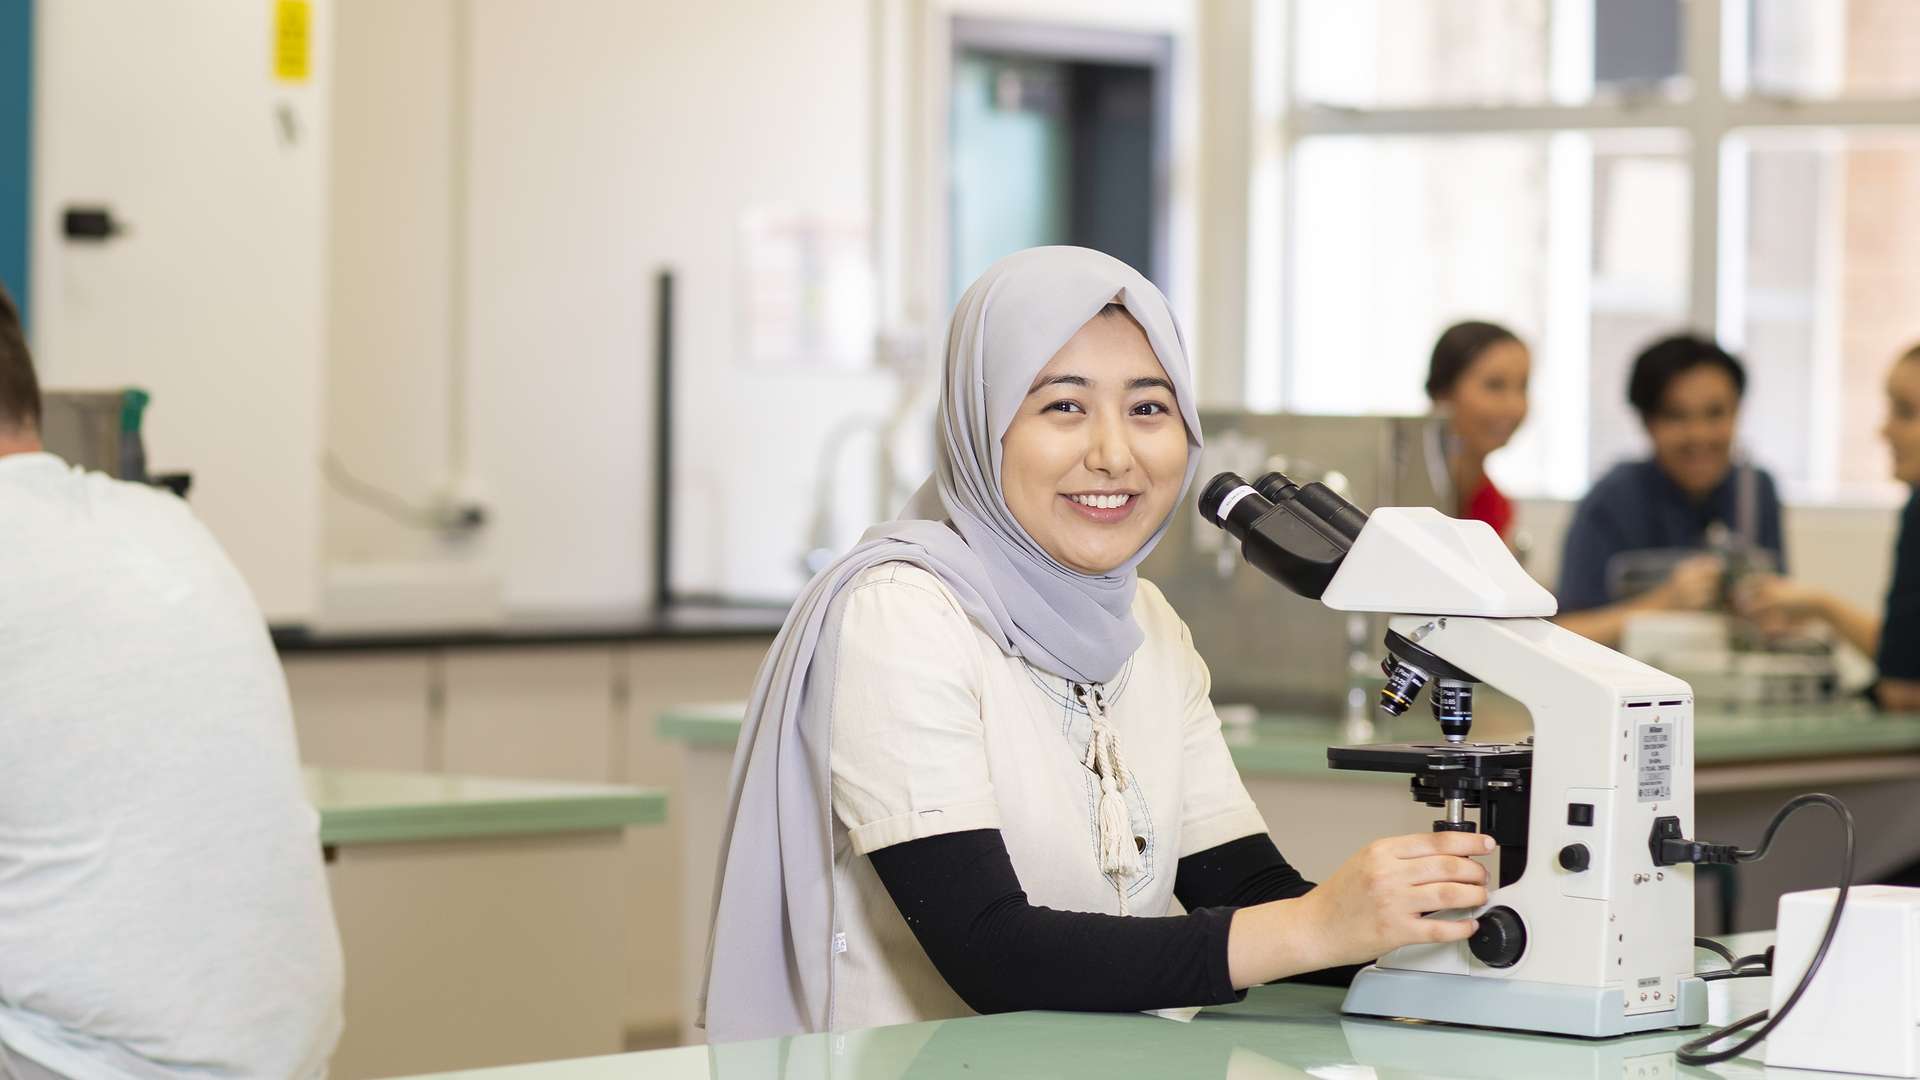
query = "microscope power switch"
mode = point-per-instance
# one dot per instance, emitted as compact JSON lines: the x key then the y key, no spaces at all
{"x":1575,"y":857}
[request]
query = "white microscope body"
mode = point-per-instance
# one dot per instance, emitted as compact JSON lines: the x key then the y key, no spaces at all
{"x":1585,"y":935}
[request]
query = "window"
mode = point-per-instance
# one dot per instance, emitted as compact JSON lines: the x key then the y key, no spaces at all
{"x":1595,"y":174}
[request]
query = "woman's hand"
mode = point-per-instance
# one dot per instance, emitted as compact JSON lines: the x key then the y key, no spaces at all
{"x":1374,"y":903}
{"x":1777,"y":604}
{"x":1692,"y":585}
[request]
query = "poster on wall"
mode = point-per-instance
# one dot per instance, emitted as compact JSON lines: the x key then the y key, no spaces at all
{"x":806,"y":296}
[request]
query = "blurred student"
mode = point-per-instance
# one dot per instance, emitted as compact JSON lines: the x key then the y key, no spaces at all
{"x":163,"y":910}
{"x":1477,"y":381}
{"x":1678,"y":508}
{"x":1893,"y":636}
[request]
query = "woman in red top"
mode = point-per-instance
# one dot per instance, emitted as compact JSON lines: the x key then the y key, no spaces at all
{"x":1478,"y":382}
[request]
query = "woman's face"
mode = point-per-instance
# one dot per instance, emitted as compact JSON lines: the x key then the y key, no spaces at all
{"x":1094,"y":459}
{"x":1693,"y":428}
{"x":1488,"y":401}
{"x":1902,"y":429}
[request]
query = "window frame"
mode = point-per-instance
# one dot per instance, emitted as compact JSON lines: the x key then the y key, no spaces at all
{"x":1714,"y":114}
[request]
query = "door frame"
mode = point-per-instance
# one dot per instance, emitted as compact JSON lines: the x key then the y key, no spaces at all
{"x":1152,"y":49}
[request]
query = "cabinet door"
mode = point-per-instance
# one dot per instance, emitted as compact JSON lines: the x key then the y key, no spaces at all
{"x":363,"y":710}
{"x":534,"y":713}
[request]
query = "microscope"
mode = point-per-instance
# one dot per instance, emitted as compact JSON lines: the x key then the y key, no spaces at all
{"x":1588,"y":926}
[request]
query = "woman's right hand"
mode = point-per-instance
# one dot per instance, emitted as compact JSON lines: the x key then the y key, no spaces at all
{"x":1376,"y":901}
{"x":1373,"y":904}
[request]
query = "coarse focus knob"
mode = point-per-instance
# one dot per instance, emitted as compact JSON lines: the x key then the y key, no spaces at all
{"x":1500,"y":939}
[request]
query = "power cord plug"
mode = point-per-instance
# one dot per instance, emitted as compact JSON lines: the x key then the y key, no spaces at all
{"x":1670,"y":848}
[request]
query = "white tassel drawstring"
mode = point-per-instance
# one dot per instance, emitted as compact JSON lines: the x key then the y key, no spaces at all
{"x":1119,"y":851}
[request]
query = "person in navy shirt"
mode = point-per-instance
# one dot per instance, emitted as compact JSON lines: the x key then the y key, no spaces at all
{"x":1679,"y":513}
{"x":1893,"y":637}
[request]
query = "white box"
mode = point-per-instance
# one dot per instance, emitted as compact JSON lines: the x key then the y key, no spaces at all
{"x":1861,"y":1014}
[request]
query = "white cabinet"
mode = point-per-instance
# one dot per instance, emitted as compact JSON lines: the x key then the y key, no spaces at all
{"x":543,"y":713}
{"x":565,"y":712}
{"x":364,"y":710}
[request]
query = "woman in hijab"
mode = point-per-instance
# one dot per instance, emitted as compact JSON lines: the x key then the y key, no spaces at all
{"x":980,"y":764}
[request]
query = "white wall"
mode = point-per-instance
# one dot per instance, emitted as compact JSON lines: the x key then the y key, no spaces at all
{"x":390,"y":334}
{"x":608,"y":140}
{"x":170,"y":114}
{"x":608,"y":144}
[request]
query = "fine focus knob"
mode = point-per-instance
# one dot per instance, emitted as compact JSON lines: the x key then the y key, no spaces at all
{"x":1575,"y":857}
{"x":1500,"y":939}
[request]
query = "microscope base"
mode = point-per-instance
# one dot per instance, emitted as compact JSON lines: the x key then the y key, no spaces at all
{"x":1514,"y":1005}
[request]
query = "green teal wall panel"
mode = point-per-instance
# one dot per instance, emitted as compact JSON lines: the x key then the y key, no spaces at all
{"x":16,"y":144}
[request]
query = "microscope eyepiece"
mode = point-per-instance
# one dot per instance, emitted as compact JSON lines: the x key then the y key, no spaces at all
{"x":1231,"y":503}
{"x":1280,"y":534}
{"x":1276,"y":486}
{"x":1346,"y":518}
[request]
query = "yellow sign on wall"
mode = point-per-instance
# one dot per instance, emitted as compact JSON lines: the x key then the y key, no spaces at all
{"x":292,"y":39}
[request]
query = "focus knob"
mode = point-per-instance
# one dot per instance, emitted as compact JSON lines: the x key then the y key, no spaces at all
{"x":1575,"y":857}
{"x":1500,"y":939}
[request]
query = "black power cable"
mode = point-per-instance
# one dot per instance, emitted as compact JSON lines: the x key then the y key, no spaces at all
{"x":1695,"y":1052}
{"x":1713,"y":946}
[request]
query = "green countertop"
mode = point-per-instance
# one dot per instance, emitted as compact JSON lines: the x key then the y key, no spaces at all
{"x":1293,"y":744}
{"x":367,"y":807}
{"x":1279,"y":1031}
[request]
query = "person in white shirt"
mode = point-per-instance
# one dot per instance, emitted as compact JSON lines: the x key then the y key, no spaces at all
{"x":163,"y":908}
{"x":980,"y":771}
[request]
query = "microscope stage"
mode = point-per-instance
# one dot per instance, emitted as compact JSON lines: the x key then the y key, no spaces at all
{"x":1468,"y":759}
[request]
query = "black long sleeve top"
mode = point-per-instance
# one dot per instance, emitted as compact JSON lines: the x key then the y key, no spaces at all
{"x":999,"y":952}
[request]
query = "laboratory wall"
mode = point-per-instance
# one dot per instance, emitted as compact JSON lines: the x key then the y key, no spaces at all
{"x":420,"y":273}
{"x":509,"y":181}
{"x":208,"y":145}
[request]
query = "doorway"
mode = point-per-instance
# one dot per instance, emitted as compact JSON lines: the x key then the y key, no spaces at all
{"x":1056,"y":136}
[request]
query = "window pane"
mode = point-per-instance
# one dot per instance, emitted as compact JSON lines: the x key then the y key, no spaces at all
{"x":1414,"y":53}
{"x":1831,"y":48}
{"x":1577,"y":242}
{"x":1822,"y":276}
{"x":1641,"y":263}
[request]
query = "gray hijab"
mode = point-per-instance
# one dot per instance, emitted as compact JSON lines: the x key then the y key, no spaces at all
{"x":770,"y":957}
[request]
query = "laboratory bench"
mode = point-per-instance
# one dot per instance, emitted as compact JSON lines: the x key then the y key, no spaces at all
{"x":1278,"y":1031}
{"x":481,"y":920}
{"x":675,"y":622}
{"x":549,"y":705}
{"x":1746,"y":764}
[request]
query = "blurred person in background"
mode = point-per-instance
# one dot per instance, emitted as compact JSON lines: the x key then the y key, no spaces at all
{"x":1477,"y":381}
{"x":1892,"y":638}
{"x":163,"y":910}
{"x":1680,"y":519}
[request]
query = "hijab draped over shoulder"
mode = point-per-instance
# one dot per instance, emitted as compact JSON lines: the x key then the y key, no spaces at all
{"x":770,"y":958}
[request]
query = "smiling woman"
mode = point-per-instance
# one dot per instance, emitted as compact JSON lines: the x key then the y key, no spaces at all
{"x":1477,"y":379}
{"x":980,"y":769}
{"x":1097,"y":455}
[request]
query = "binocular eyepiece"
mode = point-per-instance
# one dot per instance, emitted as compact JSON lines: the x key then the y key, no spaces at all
{"x":1296,"y":534}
